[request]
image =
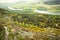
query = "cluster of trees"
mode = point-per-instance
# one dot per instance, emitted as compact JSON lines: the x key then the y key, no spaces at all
{"x":38,"y":20}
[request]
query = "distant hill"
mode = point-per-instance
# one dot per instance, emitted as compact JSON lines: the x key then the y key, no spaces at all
{"x":52,"y":2}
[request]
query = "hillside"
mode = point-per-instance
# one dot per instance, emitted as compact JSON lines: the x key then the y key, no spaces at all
{"x":29,"y":19}
{"x":23,"y":26}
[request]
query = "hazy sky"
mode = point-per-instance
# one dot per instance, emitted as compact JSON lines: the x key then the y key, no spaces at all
{"x":10,"y":1}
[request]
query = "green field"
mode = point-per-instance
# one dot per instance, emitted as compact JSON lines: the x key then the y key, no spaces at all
{"x":51,"y":8}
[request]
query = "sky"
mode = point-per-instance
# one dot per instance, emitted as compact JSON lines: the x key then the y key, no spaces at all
{"x":11,"y":1}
